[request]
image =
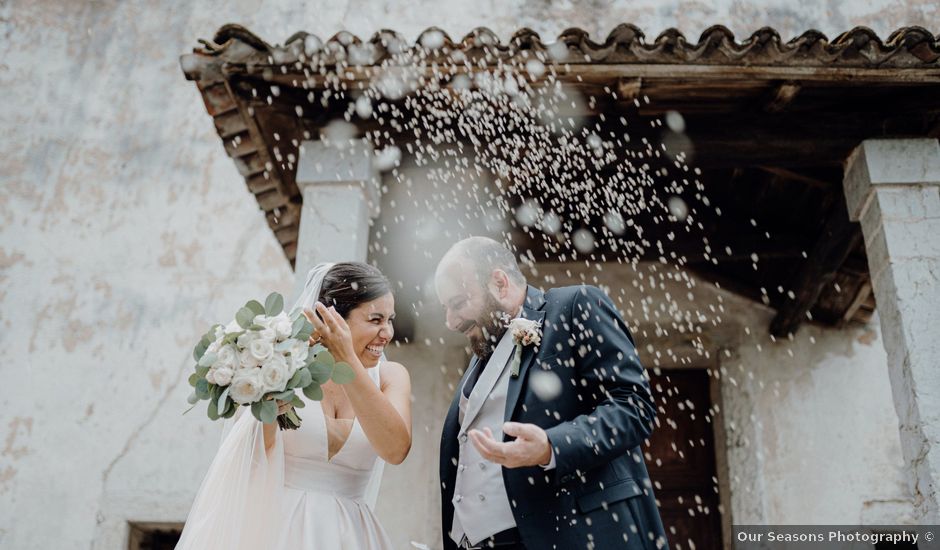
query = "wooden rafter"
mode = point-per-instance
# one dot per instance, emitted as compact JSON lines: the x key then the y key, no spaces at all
{"x":836,"y":241}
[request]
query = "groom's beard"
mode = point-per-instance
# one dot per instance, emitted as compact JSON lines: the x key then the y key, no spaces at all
{"x":492,"y":325}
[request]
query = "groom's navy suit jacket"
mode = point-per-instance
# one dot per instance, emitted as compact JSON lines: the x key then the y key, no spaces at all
{"x":599,"y":494}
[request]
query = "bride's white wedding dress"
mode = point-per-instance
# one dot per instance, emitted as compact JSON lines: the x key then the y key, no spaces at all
{"x":293,"y":496}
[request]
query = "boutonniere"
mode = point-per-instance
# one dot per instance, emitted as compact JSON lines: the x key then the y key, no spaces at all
{"x":525,"y":332}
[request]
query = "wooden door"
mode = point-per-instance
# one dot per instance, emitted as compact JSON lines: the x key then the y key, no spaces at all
{"x":681,"y":460}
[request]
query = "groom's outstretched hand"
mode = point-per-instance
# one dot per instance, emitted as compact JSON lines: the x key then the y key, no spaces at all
{"x":530,"y":448}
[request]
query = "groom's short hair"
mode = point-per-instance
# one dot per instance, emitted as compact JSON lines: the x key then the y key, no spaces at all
{"x":485,"y":255}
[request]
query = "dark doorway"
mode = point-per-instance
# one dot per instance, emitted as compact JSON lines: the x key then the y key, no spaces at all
{"x":154,"y":536}
{"x":681,"y":459}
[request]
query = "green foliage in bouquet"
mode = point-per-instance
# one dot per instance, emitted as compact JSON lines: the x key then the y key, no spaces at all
{"x":319,"y":367}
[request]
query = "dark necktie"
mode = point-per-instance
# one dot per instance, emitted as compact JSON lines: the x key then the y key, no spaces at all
{"x":474,"y":376}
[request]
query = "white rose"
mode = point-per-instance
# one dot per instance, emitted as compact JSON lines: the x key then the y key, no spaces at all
{"x":299,"y":350}
{"x":294,"y":365}
{"x":267,"y":334}
{"x":283,"y":327}
{"x":226,"y":358}
{"x":246,"y":339}
{"x":210,"y":376}
{"x":233,"y":327}
{"x":263,"y":320}
{"x":274,"y":373}
{"x":246,"y":360}
{"x":247,"y":386}
{"x":261,"y":349}
{"x":223,"y":376}
{"x":214,"y":346}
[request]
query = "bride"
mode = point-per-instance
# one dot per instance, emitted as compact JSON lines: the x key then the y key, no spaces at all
{"x":315,"y":487}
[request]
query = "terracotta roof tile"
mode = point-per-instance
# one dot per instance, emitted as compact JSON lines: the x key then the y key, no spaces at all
{"x":860,"y":47}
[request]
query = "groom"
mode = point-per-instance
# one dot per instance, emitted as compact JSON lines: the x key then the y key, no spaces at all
{"x":542,"y":450}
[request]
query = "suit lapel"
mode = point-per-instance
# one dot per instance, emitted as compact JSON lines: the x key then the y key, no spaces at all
{"x":532,"y":309}
{"x":487,"y":380}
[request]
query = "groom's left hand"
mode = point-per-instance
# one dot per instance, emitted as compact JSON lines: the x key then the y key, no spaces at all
{"x":530,"y":448}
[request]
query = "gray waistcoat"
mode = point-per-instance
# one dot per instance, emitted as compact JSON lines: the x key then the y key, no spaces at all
{"x":481,"y":506}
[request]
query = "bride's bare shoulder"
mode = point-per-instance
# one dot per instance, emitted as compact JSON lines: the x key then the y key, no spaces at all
{"x":393,"y":372}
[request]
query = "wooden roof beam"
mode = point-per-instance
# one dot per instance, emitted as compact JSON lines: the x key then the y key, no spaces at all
{"x":796,"y":176}
{"x":628,"y":89}
{"x":837,"y":240}
{"x":605,"y":74}
{"x":783,"y":96}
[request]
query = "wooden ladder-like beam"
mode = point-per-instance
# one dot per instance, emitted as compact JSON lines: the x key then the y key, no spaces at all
{"x":833,"y":246}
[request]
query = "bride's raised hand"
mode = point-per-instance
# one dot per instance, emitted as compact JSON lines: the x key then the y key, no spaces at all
{"x":331,"y":330}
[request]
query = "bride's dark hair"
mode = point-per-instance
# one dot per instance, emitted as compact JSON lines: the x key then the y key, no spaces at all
{"x":350,"y":284}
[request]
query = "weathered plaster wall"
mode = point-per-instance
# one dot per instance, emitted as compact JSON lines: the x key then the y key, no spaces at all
{"x":125,"y":230}
{"x":819,"y":409}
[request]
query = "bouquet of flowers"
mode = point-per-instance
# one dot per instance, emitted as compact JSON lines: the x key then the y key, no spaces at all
{"x":261,"y":357}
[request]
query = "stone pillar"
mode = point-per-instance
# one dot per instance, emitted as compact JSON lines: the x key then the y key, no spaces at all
{"x":893,"y":188}
{"x":340,"y":187}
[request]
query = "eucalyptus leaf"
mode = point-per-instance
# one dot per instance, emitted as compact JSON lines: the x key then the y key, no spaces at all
{"x":200,"y":349}
{"x":343,"y":373}
{"x":274,"y":304}
{"x":231,"y":411}
{"x":214,"y":392}
{"x":268,"y":411}
{"x":305,"y":331}
{"x":305,"y":378}
{"x":256,"y":410}
{"x":202,"y":371}
{"x":314,"y":392}
{"x":192,"y":399}
{"x":320,"y":373}
{"x":297,"y":326}
{"x":223,"y":402}
{"x":207,"y":338}
{"x":286,"y":395}
{"x":256,"y":307}
{"x":298,"y":402}
{"x":326,"y":358}
{"x":256,"y":327}
{"x":245,"y":317}
{"x":212,"y":411}
{"x":231,"y":337}
{"x":294,"y":380}
{"x":193,"y":378}
{"x":202,"y":388}
{"x":223,"y":406}
{"x":207,"y":359}
{"x":283,"y":346}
